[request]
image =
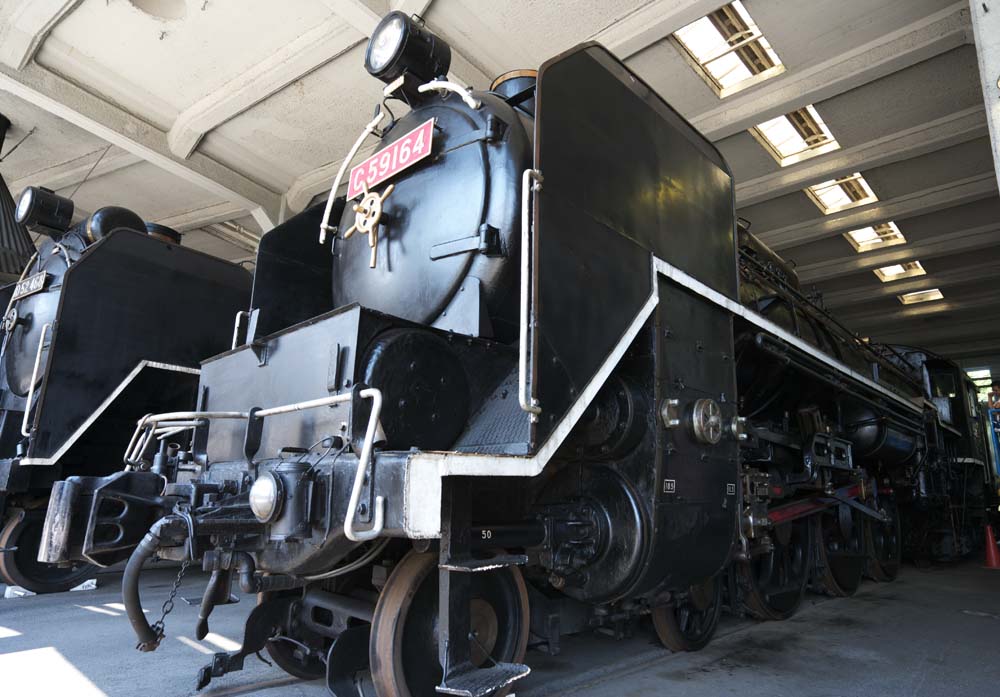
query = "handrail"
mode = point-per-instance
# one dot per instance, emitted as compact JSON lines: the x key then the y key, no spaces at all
{"x":454,"y":87}
{"x":531,"y":180}
{"x":46,"y":328}
{"x":152,"y":425}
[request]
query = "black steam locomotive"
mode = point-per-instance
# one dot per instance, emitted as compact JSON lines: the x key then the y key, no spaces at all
{"x":537,"y":382}
{"x":109,"y":319}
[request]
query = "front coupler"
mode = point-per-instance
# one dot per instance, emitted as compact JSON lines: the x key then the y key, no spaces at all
{"x":101,"y":519}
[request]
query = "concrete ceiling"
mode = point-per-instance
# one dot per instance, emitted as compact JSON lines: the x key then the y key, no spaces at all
{"x":222,"y":117}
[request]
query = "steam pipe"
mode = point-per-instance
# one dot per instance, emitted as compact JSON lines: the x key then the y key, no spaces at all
{"x":250,"y":582}
{"x":149,"y":638}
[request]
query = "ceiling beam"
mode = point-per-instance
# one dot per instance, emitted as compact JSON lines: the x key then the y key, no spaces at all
{"x":652,"y":23}
{"x":882,"y":318}
{"x":940,"y":245}
{"x":317,"y":181}
{"x":927,"y":37}
{"x":305,"y":54}
{"x":938,"y":134}
{"x":917,"y":203}
{"x":353,"y":23}
{"x":119,"y":127}
{"x":412,"y":7}
{"x":236,"y":235}
{"x":200,"y":217}
{"x":864,"y":294}
{"x":71,"y":173}
{"x":956,"y":328}
{"x":979,"y":347}
{"x":27,"y":26}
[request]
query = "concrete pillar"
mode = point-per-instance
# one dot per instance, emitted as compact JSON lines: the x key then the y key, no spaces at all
{"x":986,"y":30}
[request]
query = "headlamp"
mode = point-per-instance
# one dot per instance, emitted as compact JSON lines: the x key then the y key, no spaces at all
{"x":266,"y":496}
{"x":402,"y":46}
{"x":45,"y":210}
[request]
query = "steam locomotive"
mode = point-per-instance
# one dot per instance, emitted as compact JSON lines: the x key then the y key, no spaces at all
{"x":109,"y":319}
{"x":538,"y":381}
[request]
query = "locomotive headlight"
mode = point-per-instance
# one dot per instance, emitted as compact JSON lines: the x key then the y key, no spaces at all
{"x":402,"y":46}
{"x":45,"y":209}
{"x":266,"y":496}
{"x":385,"y":43}
{"x":24,"y":205}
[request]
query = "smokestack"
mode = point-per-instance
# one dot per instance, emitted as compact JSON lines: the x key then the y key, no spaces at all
{"x":16,"y":247}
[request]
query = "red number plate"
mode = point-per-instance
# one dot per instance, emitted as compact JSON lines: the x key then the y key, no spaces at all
{"x":392,"y":159}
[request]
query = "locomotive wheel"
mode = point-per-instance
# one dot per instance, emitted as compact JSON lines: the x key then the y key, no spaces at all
{"x":21,"y":567}
{"x":884,"y":542}
{"x":404,"y":647}
{"x":292,"y":658}
{"x":775,"y":582}
{"x":689,"y":625}
{"x":840,"y":537}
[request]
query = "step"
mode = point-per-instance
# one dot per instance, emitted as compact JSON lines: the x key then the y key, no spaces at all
{"x":479,"y":682}
{"x":473,"y":565}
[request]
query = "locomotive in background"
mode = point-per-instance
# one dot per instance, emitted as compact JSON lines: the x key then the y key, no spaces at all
{"x":108,"y":321}
{"x":538,"y":382}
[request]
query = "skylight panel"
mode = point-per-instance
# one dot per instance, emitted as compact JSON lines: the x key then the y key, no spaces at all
{"x":894,"y":272}
{"x":842,"y":193}
{"x":728,"y":50}
{"x":920,"y":296}
{"x":875,"y":237}
{"x":795,"y":136}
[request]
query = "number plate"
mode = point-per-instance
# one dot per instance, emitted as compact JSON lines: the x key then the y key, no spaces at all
{"x":392,"y":159}
{"x":30,"y":285}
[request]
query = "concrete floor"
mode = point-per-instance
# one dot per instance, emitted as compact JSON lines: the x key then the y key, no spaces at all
{"x":932,"y":632}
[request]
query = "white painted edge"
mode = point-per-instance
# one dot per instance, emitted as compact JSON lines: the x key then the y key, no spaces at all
{"x":672,"y":272}
{"x":29,"y":461}
{"x":422,"y":487}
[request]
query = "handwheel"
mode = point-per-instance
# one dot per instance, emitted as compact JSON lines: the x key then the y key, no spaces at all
{"x":689,"y":624}
{"x":840,"y":537}
{"x":20,"y":567}
{"x":884,"y":542}
{"x":404,"y":647}
{"x":775,"y":582}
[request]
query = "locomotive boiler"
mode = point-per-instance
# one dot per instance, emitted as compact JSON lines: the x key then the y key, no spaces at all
{"x":537,"y":381}
{"x":109,"y":319}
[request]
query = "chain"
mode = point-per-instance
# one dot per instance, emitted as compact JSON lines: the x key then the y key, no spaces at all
{"x":168,"y":604}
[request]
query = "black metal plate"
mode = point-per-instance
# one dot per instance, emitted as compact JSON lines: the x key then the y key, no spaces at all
{"x":606,"y":141}
{"x":129,"y":298}
{"x":624,"y":176}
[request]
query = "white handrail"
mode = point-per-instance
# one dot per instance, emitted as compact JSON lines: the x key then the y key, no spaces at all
{"x":359,"y":476}
{"x":46,"y":328}
{"x":531,"y":180}
{"x":324,"y":225}
{"x":454,"y":87}
{"x":150,"y":426}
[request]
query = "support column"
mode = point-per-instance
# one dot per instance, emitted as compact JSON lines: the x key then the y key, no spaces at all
{"x":986,"y":30}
